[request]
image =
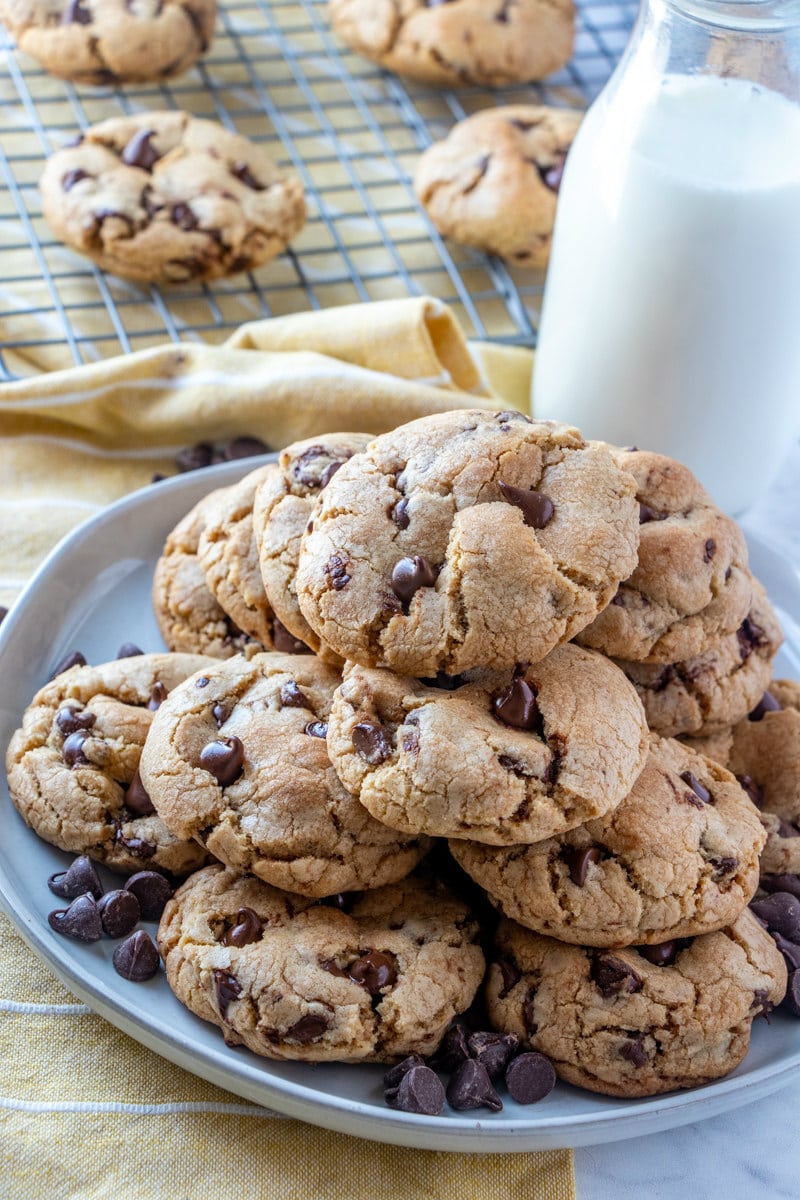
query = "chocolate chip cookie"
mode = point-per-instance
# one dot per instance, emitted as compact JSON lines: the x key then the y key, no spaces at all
{"x":189,"y":617}
{"x":466,"y":539}
{"x":493,"y":182}
{"x":710,"y":692}
{"x":678,"y":857}
{"x":282,"y":509}
{"x":765,"y":750}
{"x":237,"y":759}
{"x":691,"y":584}
{"x":374,"y":981}
{"x":162,"y":197}
{"x":781,"y":854}
{"x":461,"y":42}
{"x":73,"y":765}
{"x":493,"y":756}
{"x":112,"y":41}
{"x":637,"y":1022}
{"x":228,"y":556}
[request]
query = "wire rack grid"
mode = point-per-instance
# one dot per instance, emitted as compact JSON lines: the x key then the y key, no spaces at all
{"x":353,"y":133}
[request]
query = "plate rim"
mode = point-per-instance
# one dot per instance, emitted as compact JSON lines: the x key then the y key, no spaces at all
{"x":298,"y":1100}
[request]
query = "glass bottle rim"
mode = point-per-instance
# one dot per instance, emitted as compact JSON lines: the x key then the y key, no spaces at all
{"x":751,"y":16}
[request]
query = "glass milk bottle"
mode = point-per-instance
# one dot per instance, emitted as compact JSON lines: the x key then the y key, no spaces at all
{"x":671,"y":315}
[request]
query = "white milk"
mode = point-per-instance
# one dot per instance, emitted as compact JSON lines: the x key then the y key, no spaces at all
{"x":671,"y":317}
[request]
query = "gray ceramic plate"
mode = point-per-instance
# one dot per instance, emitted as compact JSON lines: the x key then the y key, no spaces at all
{"x":93,"y":593}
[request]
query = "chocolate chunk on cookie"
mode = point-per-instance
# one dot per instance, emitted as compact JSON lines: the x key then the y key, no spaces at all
{"x":163,"y":197}
{"x":73,"y":765}
{"x":506,"y":757}
{"x":313,"y":983}
{"x":460,"y":42}
{"x":664,"y":864}
{"x":619,"y":1023}
{"x":464,"y":539}
{"x":239,"y":765}
{"x":493,"y":182}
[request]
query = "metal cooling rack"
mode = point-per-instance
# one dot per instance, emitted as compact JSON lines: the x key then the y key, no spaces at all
{"x":352,"y":132}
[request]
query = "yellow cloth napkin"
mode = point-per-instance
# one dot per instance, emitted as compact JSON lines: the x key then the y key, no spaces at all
{"x":86,"y":1113}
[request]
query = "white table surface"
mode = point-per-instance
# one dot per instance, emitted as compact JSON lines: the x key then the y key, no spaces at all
{"x":752,"y":1153}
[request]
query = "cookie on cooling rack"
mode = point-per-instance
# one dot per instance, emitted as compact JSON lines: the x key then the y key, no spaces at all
{"x":163,"y":197}
{"x":461,"y":42}
{"x":494,"y":180}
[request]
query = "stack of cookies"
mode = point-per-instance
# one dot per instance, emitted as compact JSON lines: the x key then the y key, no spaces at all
{"x":477,"y":628}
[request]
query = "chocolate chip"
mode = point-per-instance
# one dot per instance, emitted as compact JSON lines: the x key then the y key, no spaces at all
{"x":530,"y":1077}
{"x":220,"y":713}
{"x":753,"y":790}
{"x":709,"y":550}
{"x":445,"y":682}
{"x":633,"y":1050}
{"x":74,"y":659}
{"x":723,"y":866}
{"x":762,"y":1006}
{"x":129,"y":650}
{"x":309,"y":1028}
{"x":202,"y":681}
{"x":227,"y":988}
{"x":393,"y":1076}
{"x":781,"y":883}
{"x":72,"y":177}
{"x":789,"y":949}
{"x":182,"y":216}
{"x":80,"y":921}
{"x":517,"y":706}
{"x":248,"y":928}
{"x":332,"y":967}
{"x":76,"y":13}
{"x":579,"y":860}
{"x":766,"y":704}
{"x":317,"y":465}
{"x":119,"y":912}
{"x":317,"y":729}
{"x":152,"y":891}
{"x":223,"y":759}
{"x":664,"y":953}
{"x":137,"y":799}
{"x":242,"y":171}
{"x":336,"y":570}
{"x":400,"y":515}
{"x":157,"y":696}
{"x":138,"y":847}
{"x":374,"y":970}
{"x":72,"y":750}
{"x":194,"y":458}
{"x":136,"y":959}
{"x":648,"y":514}
{"x":420,"y":1091}
{"x":781,"y":912}
{"x":411,"y":574}
{"x":537,"y":509}
{"x":292,"y":697}
{"x":70,"y":720}
{"x":453,"y":1048}
{"x":286,"y":642}
{"x":493,"y":1051}
{"x":614,"y":976}
{"x":372,"y":743}
{"x":79,"y":877}
{"x":697,"y":787}
{"x":511,"y":975}
{"x":470,"y":1087}
{"x":244,"y":447}
{"x":139,"y":152}
{"x":792,"y":1000}
{"x":529,"y":1012}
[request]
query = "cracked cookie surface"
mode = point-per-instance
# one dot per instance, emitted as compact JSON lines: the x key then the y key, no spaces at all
{"x":188,"y":614}
{"x":431,"y":760}
{"x":283,"y":506}
{"x":461,"y":42}
{"x":464,"y":539}
{"x":765,"y":747}
{"x":112,"y":41}
{"x":708,"y":693}
{"x":73,"y":764}
{"x":493,"y":182}
{"x":163,"y":197}
{"x":295,"y":980}
{"x":238,"y":760}
{"x":620,"y":1023}
{"x":678,"y":857}
{"x":691,"y":583}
